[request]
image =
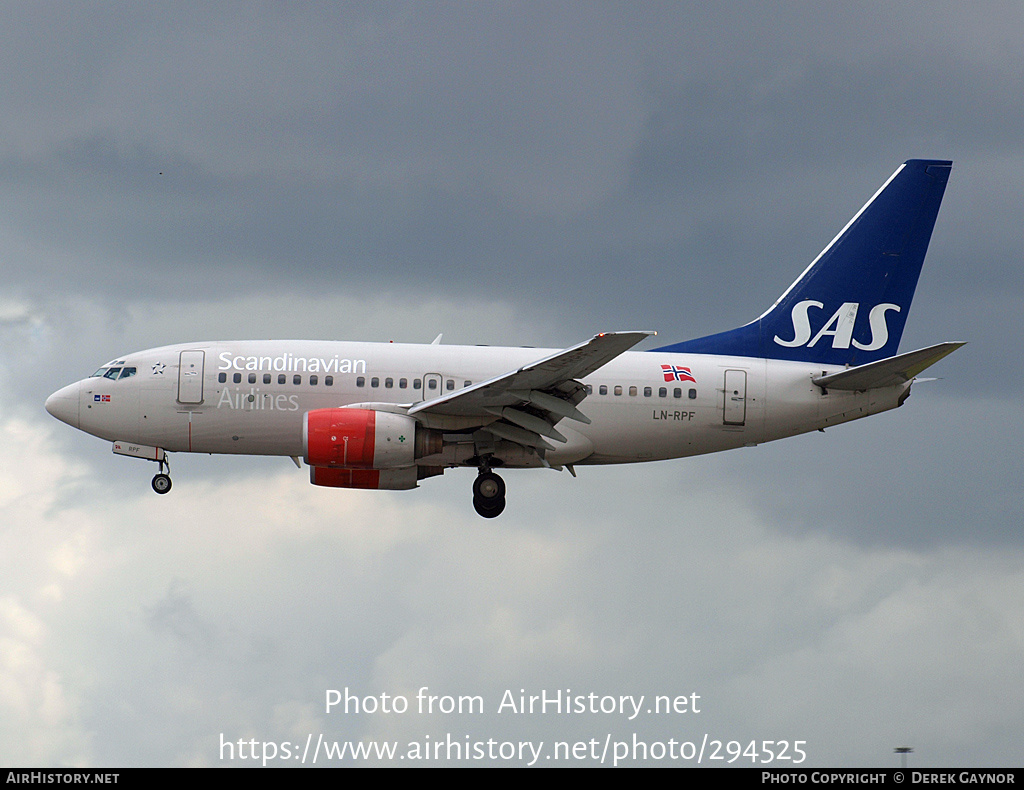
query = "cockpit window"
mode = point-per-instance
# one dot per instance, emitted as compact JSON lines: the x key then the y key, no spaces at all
{"x":127,"y":373}
{"x":112,"y":374}
{"x":98,"y":373}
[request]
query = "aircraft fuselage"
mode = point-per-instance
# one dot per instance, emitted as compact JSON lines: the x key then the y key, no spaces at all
{"x":249,"y":397}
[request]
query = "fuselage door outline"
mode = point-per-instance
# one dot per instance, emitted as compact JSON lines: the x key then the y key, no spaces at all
{"x":735,"y":406}
{"x":190,"y":376}
{"x":432,"y":385}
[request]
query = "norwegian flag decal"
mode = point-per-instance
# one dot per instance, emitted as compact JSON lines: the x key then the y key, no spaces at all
{"x":676,"y":373}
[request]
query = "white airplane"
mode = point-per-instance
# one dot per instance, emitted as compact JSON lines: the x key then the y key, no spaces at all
{"x":385,"y":416}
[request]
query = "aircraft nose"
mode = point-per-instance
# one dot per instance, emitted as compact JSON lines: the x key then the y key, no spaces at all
{"x":63,"y":404}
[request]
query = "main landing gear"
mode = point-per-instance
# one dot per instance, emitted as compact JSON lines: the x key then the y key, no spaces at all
{"x":162,"y":480}
{"x":488,"y":494}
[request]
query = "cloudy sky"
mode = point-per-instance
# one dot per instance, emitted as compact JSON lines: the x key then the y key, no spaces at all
{"x":520,"y":174}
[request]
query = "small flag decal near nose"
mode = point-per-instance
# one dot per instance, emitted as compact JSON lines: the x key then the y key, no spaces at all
{"x":675,"y":373}
{"x":101,"y":398}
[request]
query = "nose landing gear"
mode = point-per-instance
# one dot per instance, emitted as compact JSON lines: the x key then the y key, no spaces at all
{"x":162,"y":480}
{"x":488,"y":494}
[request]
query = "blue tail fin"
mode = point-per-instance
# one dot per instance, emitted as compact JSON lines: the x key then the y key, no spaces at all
{"x":850,"y":305}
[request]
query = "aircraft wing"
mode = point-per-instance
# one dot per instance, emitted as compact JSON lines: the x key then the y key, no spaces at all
{"x":887,"y":372}
{"x":524,"y":404}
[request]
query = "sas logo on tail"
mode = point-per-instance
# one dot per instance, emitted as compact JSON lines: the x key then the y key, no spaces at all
{"x":676,"y":373}
{"x":839,"y":327}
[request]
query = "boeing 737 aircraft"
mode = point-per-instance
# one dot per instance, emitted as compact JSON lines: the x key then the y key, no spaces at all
{"x":385,"y":416}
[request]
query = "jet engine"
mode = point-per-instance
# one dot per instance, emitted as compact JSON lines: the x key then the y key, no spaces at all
{"x":366,"y":448}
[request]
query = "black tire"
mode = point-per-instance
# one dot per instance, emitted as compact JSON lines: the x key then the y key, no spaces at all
{"x":162,"y":483}
{"x":491,"y":508}
{"x":488,"y":487}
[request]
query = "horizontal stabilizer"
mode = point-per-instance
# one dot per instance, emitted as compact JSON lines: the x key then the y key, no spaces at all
{"x":887,"y":372}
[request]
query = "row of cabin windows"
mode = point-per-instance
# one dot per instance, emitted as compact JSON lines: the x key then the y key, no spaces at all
{"x":282,"y":378}
{"x":432,"y":383}
{"x":389,"y":383}
{"x":314,"y":380}
{"x":677,"y":392}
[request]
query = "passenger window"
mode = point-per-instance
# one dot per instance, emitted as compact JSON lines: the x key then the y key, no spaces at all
{"x":375,"y":382}
{"x":432,"y":384}
{"x":403,"y":384}
{"x":296,"y":379}
{"x":451,"y":384}
{"x":618,"y":389}
{"x":389,"y":383}
{"x":314,"y":380}
{"x":662,"y":392}
{"x":266,"y":378}
{"x":589,"y":388}
{"x":603,"y":389}
{"x":328,"y":381}
{"x":693,"y":394}
{"x":632,"y":392}
{"x":360,"y":381}
{"x":467,"y":384}
{"x":222,"y":377}
{"x":281,"y":378}
{"x":416,"y":384}
{"x":647,"y":392}
{"x":237,"y":378}
{"x":677,"y":393}
{"x":252,"y":378}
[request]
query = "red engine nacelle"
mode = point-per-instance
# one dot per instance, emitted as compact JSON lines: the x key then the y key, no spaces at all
{"x":394,"y":479}
{"x":358,"y":439}
{"x":363,"y":448}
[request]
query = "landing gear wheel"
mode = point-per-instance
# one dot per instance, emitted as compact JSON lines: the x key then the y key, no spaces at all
{"x":162,"y":483}
{"x":489,"y":509}
{"x":488,"y":486}
{"x":488,"y":494}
